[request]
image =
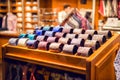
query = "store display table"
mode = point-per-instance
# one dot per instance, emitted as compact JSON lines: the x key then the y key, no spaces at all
{"x":98,"y":66}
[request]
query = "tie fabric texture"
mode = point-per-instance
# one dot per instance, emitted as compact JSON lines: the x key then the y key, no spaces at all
{"x":117,"y":65}
{"x":32,"y":77}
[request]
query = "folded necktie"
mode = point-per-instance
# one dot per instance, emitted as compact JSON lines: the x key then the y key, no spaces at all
{"x":70,"y":49}
{"x":33,"y":44}
{"x":94,"y":44}
{"x":108,"y":34}
{"x":84,"y":51}
{"x":13,"y":41}
{"x":56,"y":47}
{"x":68,"y":35}
{"x":78,"y":31}
{"x":64,"y":40}
{"x":100,"y":38}
{"x":43,"y":45}
{"x":77,"y":42}
{"x":85,"y":36}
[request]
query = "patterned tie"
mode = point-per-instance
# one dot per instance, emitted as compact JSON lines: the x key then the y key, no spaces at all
{"x":6,"y":22}
{"x":117,"y":65}
{"x":32,"y":77}
{"x":10,"y":72}
{"x":18,"y":72}
{"x":24,"y":74}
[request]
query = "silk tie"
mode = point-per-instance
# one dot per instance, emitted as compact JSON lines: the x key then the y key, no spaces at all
{"x":84,"y":51}
{"x":32,"y":77}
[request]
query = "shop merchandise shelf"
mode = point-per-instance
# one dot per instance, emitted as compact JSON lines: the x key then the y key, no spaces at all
{"x":94,"y":67}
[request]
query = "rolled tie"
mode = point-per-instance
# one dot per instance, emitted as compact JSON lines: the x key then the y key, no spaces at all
{"x":67,"y":30}
{"x":91,"y":32}
{"x":94,"y":44}
{"x":84,"y":51}
{"x":33,"y":44}
{"x":49,"y":33}
{"x":64,"y":40}
{"x":85,"y":36}
{"x":43,"y":45}
{"x":56,"y":47}
{"x":22,"y":35}
{"x":100,"y":38}
{"x":70,"y":49}
{"x":52,"y":39}
{"x":108,"y":34}
{"x":71,"y":36}
{"x":39,"y":32}
{"x":77,"y":41}
{"x":13,"y":41}
{"x":57,"y":29}
{"x":31,"y":36}
{"x":78,"y":31}
{"x":41,"y":38}
{"x":22,"y":42}
{"x":60,"y":34}
{"x":46,"y":28}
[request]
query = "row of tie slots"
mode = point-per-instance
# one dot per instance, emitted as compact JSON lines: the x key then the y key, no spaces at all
{"x":40,"y":31}
{"x":99,"y":37}
{"x":33,"y":72}
{"x":75,"y":46}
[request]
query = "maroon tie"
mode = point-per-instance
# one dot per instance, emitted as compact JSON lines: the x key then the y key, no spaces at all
{"x":32,"y":77}
{"x":24,"y":74}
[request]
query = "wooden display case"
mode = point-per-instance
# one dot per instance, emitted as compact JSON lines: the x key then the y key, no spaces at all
{"x":98,"y":66}
{"x":4,"y":37}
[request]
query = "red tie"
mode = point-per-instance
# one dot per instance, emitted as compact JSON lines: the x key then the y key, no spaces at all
{"x":32,"y":77}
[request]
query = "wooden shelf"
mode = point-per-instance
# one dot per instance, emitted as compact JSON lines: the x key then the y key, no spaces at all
{"x":32,"y":11}
{"x":31,"y":22}
{"x":16,"y":5}
{"x":19,"y":21}
{"x":16,"y":11}
{"x":2,"y":11}
{"x":38,"y":57}
{"x":2,"y":4}
{"x":30,"y":4}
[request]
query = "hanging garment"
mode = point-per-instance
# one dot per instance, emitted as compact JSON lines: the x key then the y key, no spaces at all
{"x":5,"y":24}
{"x":114,"y":4}
{"x":1,"y":19}
{"x":118,"y":9}
{"x":84,"y":24}
{"x":117,"y":65}
{"x":32,"y":77}
{"x":18,"y":68}
{"x":101,"y":8}
{"x":9,"y":75}
{"x":9,"y":22}
{"x":24,"y":72}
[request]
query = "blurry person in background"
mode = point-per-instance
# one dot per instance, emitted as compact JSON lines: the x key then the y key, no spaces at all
{"x":88,"y":16}
{"x":62,"y":14}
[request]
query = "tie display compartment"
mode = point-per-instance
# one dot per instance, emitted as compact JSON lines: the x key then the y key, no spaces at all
{"x":94,"y":67}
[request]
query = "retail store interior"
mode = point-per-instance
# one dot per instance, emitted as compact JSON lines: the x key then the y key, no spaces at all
{"x":59,"y":39}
